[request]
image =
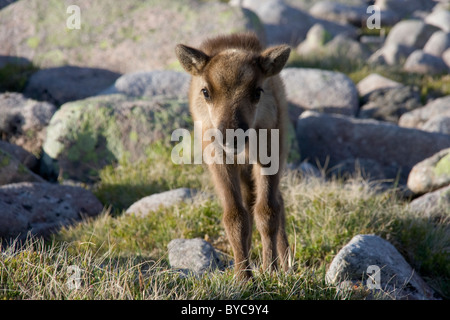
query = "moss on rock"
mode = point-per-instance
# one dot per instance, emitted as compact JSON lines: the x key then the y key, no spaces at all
{"x":12,"y":171}
{"x":86,"y":135}
{"x":443,"y":166}
{"x":136,"y":31}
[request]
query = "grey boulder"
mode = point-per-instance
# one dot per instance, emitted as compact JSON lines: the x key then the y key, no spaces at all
{"x":425,"y":63}
{"x":12,"y":170}
{"x":148,"y":84}
{"x":435,"y":205}
{"x":43,"y":208}
{"x":331,"y":139}
{"x":430,"y":174}
{"x":388,"y":104}
{"x":381,"y":269}
{"x":431,"y":117}
{"x":74,"y":83}
{"x":319,"y":90}
{"x":23,"y":121}
{"x":163,"y":199}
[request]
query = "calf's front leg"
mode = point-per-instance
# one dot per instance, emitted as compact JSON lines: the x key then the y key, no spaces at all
{"x":270,"y":220}
{"x":236,"y":218}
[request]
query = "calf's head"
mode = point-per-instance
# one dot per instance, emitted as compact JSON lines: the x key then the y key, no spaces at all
{"x":231,"y":84}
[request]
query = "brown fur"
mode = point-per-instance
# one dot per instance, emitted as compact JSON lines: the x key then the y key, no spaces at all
{"x":233,"y":69}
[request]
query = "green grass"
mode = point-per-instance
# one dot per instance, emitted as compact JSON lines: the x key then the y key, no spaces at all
{"x":40,"y":271}
{"x":121,"y":185}
{"x":124,"y":256}
{"x":14,"y":77}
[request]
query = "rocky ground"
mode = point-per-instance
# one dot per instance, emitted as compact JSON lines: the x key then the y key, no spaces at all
{"x":75,"y":101}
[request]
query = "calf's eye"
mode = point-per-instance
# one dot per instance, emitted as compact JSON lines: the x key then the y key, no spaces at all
{"x":206,"y":94}
{"x":257,"y":94}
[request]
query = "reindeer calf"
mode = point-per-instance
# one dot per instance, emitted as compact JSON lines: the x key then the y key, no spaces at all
{"x":235,"y":85}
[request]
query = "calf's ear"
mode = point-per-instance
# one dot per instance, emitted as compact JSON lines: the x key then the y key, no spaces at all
{"x":273,"y":59}
{"x":192,"y":60}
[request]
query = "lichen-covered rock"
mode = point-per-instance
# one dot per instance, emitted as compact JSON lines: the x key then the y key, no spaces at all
{"x":434,"y":205}
{"x":12,"y":171}
{"x":430,"y":174}
{"x":284,"y":23}
{"x":388,"y":104}
{"x":446,"y":57}
{"x":319,"y":90}
{"x":404,"y":38}
{"x":164,"y":199}
{"x":438,"y":43}
{"x":318,"y":44}
{"x":366,"y":168}
{"x":410,"y":33}
{"x":433,"y":112}
{"x":23,"y":121}
{"x":375,"y":82}
{"x":331,"y":139}
{"x":86,"y":135}
{"x":345,"y":48}
{"x":195,"y":256}
{"x":421,"y":62}
{"x":123,"y":37}
{"x":439,"y":18}
{"x":43,"y":208}
{"x":4,"y":3}
{"x":26,"y":158}
{"x":315,"y":40}
{"x":339,"y":12}
{"x":150,"y":84}
{"x":438,"y":124}
{"x":391,"y":54}
{"x":380,"y":267}
{"x":74,"y":83}
{"x":404,"y":8}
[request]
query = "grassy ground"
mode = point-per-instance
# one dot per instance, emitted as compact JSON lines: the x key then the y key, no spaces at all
{"x":13,"y":77}
{"x":122,"y":256}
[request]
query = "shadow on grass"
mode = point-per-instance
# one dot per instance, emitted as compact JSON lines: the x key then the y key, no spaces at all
{"x":121,"y":196}
{"x":14,"y":73}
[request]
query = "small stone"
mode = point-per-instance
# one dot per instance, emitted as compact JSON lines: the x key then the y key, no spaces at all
{"x":195,"y":256}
